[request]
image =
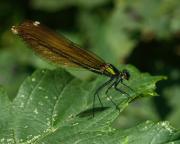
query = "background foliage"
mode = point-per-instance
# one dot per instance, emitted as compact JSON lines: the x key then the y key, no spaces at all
{"x":144,"y":33}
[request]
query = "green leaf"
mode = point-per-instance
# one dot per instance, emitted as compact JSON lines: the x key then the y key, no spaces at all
{"x":137,"y":112}
{"x":6,"y":131}
{"x":46,"y":107}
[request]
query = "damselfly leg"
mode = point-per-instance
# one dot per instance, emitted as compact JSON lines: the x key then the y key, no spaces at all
{"x":97,"y":93}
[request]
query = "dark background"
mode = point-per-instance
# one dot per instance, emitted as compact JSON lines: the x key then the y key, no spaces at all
{"x":144,"y":33}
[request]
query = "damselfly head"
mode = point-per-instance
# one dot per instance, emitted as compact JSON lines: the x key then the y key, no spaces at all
{"x":125,"y":74}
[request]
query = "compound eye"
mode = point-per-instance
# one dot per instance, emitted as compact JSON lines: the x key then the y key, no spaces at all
{"x":126,"y":74}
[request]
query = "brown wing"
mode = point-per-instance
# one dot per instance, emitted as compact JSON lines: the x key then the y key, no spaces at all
{"x":56,"y":48}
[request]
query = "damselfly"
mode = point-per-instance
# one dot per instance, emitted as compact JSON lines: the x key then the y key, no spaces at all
{"x":60,"y":50}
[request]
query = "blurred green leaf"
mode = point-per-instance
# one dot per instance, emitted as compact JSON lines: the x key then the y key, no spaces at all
{"x":175,"y":23}
{"x":118,"y":39}
{"x":160,"y":18}
{"x":107,"y":38}
{"x":11,"y":73}
{"x":93,"y":30}
{"x":172,"y":94}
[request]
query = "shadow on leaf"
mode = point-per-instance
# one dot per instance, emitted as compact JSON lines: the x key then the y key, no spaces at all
{"x":89,"y":112}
